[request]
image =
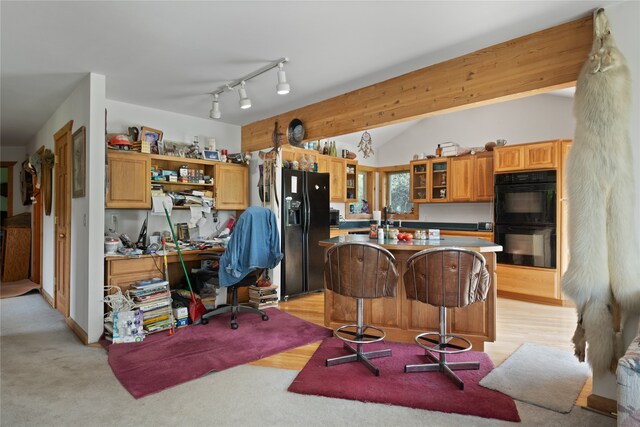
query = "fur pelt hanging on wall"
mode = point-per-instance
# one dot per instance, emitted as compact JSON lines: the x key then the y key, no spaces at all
{"x":604,"y":267}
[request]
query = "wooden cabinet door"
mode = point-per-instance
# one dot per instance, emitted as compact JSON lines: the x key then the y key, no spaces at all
{"x":439,"y":180}
{"x":351,"y":181}
{"x":323,"y":164}
{"x":338,"y":172}
{"x":483,"y":177}
{"x":418,"y":182}
{"x":508,"y":158}
{"x":232,"y":187}
{"x":129,"y":177}
{"x":461,"y":177}
{"x":541,"y":155}
{"x":563,"y":225}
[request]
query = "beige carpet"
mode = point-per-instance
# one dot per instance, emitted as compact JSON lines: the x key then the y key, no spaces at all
{"x":50,"y":379}
{"x":17,"y":288}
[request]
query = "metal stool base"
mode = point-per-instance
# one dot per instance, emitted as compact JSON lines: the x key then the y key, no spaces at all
{"x":359,"y":355}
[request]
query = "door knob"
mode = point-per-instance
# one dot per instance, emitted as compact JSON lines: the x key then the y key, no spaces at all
{"x":61,"y":235}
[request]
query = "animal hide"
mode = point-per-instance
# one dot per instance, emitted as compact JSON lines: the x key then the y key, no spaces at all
{"x":604,"y":266}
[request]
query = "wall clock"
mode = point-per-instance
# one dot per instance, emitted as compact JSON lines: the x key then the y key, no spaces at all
{"x":295,"y":133}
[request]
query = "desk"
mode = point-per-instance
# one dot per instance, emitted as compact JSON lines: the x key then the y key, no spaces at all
{"x":402,"y":319}
{"x":122,"y":271}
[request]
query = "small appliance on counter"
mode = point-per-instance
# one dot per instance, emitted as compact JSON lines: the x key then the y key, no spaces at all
{"x":334,"y":218}
{"x":111,"y":245}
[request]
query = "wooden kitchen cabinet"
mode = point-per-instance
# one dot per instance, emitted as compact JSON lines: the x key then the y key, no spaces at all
{"x":537,"y":155}
{"x":351,"y":181}
{"x":231,"y":183}
{"x":128,"y":180}
{"x":439,"y":180}
{"x":418,"y":181}
{"x":337,"y":172}
{"x":483,"y":177}
{"x":461,"y":179}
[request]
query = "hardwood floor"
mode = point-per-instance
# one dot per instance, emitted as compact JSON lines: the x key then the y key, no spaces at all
{"x":517,"y":322}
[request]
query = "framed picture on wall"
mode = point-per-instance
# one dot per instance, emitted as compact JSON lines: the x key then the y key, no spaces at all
{"x":79,"y":162}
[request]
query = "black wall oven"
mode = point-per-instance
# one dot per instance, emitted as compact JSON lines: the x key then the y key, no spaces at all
{"x":525,"y":216}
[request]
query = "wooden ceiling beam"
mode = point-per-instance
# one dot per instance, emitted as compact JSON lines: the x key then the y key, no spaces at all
{"x":536,"y":63}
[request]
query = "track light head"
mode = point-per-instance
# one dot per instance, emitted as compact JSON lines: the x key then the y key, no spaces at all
{"x":245,"y":102}
{"x":215,"y":108}
{"x":282,"y":88}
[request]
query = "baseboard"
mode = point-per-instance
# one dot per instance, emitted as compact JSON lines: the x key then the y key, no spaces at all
{"x":77,"y":330}
{"x":602,"y":404}
{"x":530,"y":298}
{"x":48,"y":298}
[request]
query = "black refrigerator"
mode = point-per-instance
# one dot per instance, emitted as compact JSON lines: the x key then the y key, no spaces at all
{"x":305,"y":221}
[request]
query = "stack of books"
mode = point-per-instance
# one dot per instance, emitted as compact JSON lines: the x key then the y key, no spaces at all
{"x":449,"y":149}
{"x":263,"y":296}
{"x":153,"y":298}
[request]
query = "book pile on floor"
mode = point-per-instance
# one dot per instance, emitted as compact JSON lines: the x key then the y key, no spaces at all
{"x":153,"y":298}
{"x":263,"y":296}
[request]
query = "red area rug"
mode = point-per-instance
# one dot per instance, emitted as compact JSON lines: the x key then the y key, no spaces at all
{"x":432,"y":391}
{"x":162,"y":361}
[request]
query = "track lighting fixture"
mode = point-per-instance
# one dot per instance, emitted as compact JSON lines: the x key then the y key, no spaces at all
{"x":245,"y":102}
{"x":215,"y":108}
{"x":282,"y":88}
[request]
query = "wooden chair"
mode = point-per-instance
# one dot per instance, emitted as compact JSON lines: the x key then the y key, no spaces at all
{"x":360,"y":271}
{"x":446,"y":277}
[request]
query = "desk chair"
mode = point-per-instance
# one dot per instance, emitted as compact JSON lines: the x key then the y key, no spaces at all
{"x":445,"y":277}
{"x":254,"y":246}
{"x":360,"y":270}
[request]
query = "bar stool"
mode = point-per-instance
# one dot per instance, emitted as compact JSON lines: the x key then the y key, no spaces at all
{"x":360,"y":270}
{"x":445,"y":277}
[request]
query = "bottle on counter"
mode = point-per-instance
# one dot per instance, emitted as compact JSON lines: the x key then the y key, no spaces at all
{"x":325,"y":150}
{"x":334,"y":151}
{"x":439,"y":151}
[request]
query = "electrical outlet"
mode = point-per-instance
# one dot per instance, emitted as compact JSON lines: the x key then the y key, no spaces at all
{"x":114,"y":222}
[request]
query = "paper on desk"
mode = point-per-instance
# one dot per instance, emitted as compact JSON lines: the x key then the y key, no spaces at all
{"x":159,"y":203}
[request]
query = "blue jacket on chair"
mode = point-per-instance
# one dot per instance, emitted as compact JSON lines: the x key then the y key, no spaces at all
{"x":254,"y":243}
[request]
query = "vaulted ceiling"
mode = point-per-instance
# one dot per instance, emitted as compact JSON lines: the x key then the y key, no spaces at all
{"x":171,"y":55}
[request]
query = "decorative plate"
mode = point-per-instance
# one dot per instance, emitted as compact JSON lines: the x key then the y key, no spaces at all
{"x":295,"y":133}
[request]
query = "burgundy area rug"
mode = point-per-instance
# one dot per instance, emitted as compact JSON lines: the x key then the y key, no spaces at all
{"x":162,"y":361}
{"x":432,"y":391}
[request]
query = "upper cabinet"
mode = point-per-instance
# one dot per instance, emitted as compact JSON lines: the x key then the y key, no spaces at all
{"x":231,"y":186}
{"x":466,"y":178}
{"x":461,"y":179}
{"x":483,"y":177}
{"x":439,"y":180}
{"x":128,"y":181}
{"x":538,"y":155}
{"x":337,"y":172}
{"x":418,"y":181}
{"x":351,"y":181}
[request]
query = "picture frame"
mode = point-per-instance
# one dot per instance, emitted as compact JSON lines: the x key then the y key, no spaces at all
{"x":150,"y":135}
{"x":79,"y":160}
{"x":211,"y":155}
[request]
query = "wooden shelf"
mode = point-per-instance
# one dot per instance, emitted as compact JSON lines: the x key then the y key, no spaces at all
{"x":190,"y":184}
{"x":184,"y":160}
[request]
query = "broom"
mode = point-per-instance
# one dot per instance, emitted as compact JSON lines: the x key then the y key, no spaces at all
{"x":196,"y":308}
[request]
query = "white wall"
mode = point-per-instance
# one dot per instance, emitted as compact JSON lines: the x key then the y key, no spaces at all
{"x":624,"y":26}
{"x":175,"y":127}
{"x":18,"y":155}
{"x":84,"y":112}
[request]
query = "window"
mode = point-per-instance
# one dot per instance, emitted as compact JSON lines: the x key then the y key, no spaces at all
{"x":396,"y":194}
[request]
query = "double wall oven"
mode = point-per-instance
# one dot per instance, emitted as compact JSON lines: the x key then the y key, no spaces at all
{"x":525,"y":217}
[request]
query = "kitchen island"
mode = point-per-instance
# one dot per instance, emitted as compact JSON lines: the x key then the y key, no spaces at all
{"x":402,"y":319}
